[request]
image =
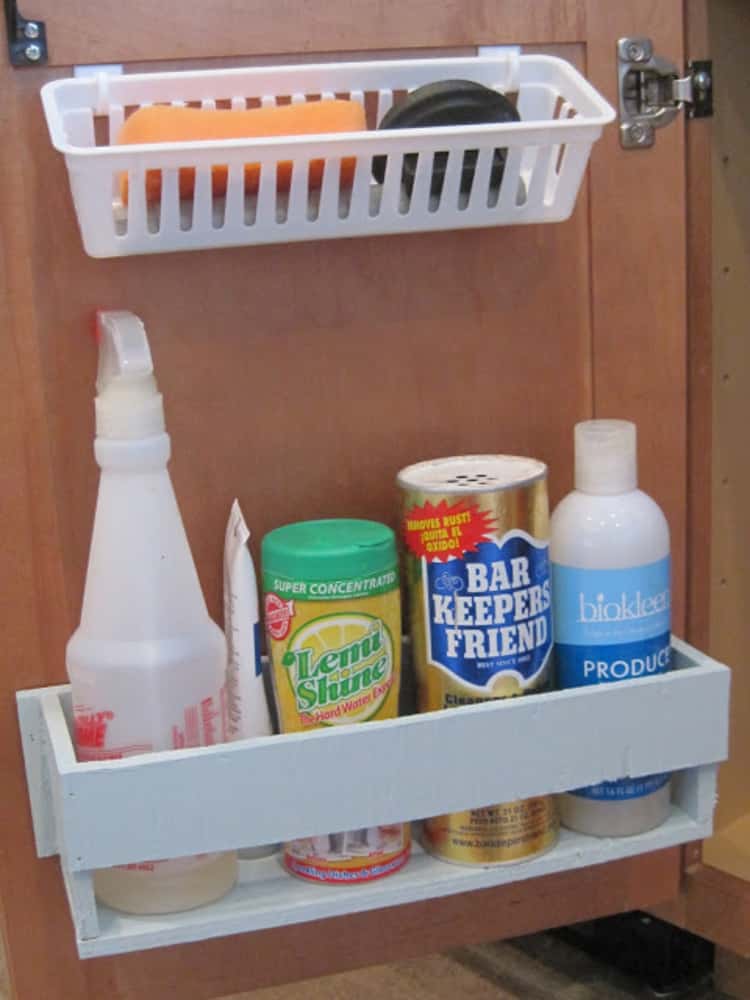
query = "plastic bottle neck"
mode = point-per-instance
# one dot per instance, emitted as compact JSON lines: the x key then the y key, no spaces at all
{"x":147,"y":454}
{"x":623,"y":489}
{"x":606,"y":462}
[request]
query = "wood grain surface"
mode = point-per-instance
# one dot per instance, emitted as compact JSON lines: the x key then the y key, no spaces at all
{"x":82,"y":32}
{"x":638,"y":268}
{"x":315,"y":371}
{"x":300,"y":378}
{"x":713,"y":904}
{"x":730,"y":578}
{"x":699,"y":141}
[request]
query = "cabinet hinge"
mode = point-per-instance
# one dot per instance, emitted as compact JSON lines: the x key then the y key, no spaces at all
{"x":27,"y":37}
{"x":652,"y":91}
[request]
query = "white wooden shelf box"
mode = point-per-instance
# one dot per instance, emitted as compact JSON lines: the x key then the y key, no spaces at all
{"x":562,"y":115}
{"x":268,"y":790}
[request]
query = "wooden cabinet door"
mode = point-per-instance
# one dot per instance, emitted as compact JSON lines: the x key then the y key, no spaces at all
{"x":302,"y":377}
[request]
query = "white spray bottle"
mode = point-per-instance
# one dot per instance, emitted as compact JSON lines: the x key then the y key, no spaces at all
{"x":147,"y":665}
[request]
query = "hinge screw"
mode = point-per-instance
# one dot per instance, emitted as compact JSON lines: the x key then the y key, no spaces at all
{"x":31,"y":30}
{"x":702,"y":81}
{"x":638,"y":133}
{"x":33,"y":53}
{"x":636,"y":52}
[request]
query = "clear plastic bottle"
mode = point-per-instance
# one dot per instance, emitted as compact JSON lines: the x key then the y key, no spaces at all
{"x":147,"y":665}
{"x":611,"y":602}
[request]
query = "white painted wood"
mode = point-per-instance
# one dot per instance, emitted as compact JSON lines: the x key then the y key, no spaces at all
{"x":277,"y":788}
{"x":57,"y":724}
{"x":267,"y":897}
{"x":79,"y":887}
{"x":35,"y":744}
{"x":695,"y":790}
{"x":268,"y":790}
{"x":685,"y":655}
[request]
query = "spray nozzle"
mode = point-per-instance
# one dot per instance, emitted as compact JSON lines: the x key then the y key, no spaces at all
{"x":128,"y":402}
{"x":123,"y":348}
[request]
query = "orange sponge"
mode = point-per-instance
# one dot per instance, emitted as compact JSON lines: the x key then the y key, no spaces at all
{"x":164,"y":123}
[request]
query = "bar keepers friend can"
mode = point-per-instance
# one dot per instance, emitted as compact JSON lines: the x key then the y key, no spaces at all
{"x":475,"y":531}
{"x":333,"y":621}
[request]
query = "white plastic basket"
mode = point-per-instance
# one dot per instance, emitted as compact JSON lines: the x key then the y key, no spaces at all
{"x":547,"y":153}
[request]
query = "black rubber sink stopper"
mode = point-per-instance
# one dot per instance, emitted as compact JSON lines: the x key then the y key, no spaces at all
{"x":448,"y":102}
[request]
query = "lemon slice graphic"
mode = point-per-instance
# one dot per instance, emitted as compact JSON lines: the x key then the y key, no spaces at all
{"x":358,"y":645}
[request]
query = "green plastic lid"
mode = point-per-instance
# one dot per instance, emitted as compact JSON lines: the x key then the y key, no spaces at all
{"x":339,"y":548}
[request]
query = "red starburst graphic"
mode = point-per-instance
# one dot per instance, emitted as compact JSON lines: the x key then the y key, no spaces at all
{"x":279,"y":614}
{"x":446,"y":531}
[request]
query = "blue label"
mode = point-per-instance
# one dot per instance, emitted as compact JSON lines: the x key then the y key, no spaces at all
{"x":612,"y":625}
{"x":599,"y":664}
{"x":627,"y":788}
{"x":490,"y":612}
{"x":258,"y":661}
{"x":595,"y":606}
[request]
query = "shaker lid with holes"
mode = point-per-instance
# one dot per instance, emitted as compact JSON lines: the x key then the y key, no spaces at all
{"x":471,"y":474}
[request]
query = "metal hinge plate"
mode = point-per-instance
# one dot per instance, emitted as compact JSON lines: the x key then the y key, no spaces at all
{"x":652,"y":92}
{"x":27,"y":37}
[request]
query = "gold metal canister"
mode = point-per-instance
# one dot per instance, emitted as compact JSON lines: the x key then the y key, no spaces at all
{"x":475,"y":532}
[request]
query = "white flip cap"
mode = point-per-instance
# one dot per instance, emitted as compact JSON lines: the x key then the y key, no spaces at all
{"x":128,"y":403}
{"x":606,"y":456}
